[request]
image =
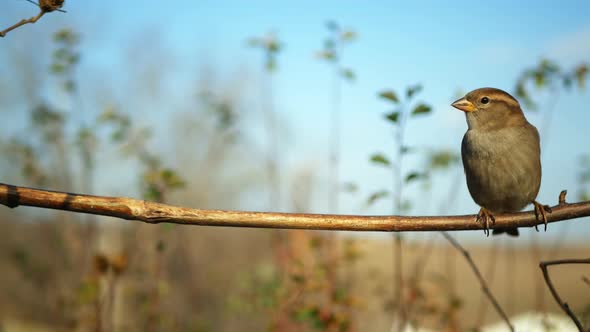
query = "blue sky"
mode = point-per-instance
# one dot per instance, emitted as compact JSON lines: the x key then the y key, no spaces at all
{"x":445,"y":46}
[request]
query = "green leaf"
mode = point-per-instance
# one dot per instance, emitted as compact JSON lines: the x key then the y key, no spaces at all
{"x":548,"y":67}
{"x":405,"y":149}
{"x":350,"y":187}
{"x":348,"y":35}
{"x":254,"y":42}
{"x":393,"y":116}
{"x":298,"y":278}
{"x":413,"y":176}
{"x":171,"y":178}
{"x":455,"y":302}
{"x":69,"y":86}
{"x":379,"y":158}
{"x":271,"y":64}
{"x":522,"y":94}
{"x":585,"y":176}
{"x":442,"y":159}
{"x":273,"y":46}
{"x":327,"y":55}
{"x":348,"y":74}
{"x":389,"y":95}
{"x":332,"y":26}
{"x":377,"y":196}
{"x":413,"y":90}
{"x":421,"y":109}
{"x":567,"y":82}
{"x":57,"y":68}
{"x":66,"y":36}
{"x":329,"y":44}
{"x":405,"y":207}
{"x":581,"y":73}
{"x":540,"y":79}
{"x":160,"y":246}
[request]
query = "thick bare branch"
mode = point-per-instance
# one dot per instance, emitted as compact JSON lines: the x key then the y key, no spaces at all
{"x":150,"y":212}
{"x":564,"y":306}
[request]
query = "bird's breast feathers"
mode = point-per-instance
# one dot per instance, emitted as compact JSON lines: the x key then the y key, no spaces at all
{"x":502,"y":166}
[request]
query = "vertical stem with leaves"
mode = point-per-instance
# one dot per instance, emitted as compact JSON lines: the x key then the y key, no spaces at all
{"x":270,"y":46}
{"x":156,"y":183}
{"x":332,"y":53}
{"x":398,"y":118}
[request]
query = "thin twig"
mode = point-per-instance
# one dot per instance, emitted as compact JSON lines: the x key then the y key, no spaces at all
{"x":586,"y":280}
{"x":564,"y":306}
{"x":490,"y":273}
{"x":22,"y":22}
{"x":44,"y":7}
{"x":155,"y":213}
{"x":482,"y":282}
{"x":398,"y":188}
{"x":335,"y":123}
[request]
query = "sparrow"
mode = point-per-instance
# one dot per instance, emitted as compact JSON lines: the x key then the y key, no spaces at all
{"x":501,"y":156}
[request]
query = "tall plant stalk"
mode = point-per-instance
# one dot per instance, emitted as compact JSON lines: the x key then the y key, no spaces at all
{"x":332,"y":53}
{"x":398,"y":118}
{"x":270,"y":46}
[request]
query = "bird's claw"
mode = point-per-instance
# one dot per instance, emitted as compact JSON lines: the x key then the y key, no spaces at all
{"x":541,"y":210}
{"x":483,"y":217}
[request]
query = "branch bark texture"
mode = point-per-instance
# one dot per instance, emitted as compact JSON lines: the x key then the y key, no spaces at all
{"x":154,"y":213}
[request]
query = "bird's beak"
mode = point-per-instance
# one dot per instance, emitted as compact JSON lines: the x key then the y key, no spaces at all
{"x":464,"y":105}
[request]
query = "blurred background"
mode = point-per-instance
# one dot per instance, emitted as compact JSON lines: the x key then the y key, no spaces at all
{"x":322,"y":108}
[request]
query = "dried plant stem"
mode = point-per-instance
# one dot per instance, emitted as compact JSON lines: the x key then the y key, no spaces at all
{"x":509,"y":273}
{"x":155,"y":213}
{"x":397,"y":189}
{"x":273,"y":161}
{"x":482,"y":281}
{"x":564,"y":306}
{"x":492,"y":258}
{"x":538,"y":287}
{"x":334,"y":162}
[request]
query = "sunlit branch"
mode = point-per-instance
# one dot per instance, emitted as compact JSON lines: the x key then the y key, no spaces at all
{"x":154,"y":213}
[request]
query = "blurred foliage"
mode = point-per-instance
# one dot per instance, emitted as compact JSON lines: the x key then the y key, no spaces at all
{"x":49,"y":124}
{"x":584,"y":178}
{"x":415,"y":294}
{"x":271,"y":46}
{"x":380,"y":159}
{"x":307,"y":288}
{"x":350,"y":187}
{"x":442,"y":159}
{"x":305,"y":294}
{"x":547,"y":74}
{"x":156,"y":180}
{"x":403,"y":109}
{"x":65,"y":58}
{"x":28,"y":157}
{"x":331,"y":52}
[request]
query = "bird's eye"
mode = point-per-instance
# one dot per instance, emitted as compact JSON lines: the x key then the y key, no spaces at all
{"x":485,"y":100}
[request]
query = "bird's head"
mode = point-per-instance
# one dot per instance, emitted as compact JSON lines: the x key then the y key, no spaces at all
{"x":490,"y":109}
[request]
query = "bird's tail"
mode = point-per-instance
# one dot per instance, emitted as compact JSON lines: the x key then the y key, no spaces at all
{"x":509,"y":231}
